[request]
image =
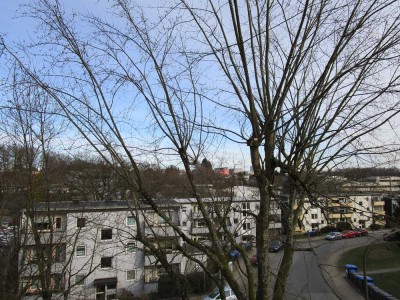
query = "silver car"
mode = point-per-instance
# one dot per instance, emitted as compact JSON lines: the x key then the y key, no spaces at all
{"x":229,"y":295}
{"x":333,"y":236}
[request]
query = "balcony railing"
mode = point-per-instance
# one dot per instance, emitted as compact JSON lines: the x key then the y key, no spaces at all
{"x":172,"y":257}
{"x":161,"y":230}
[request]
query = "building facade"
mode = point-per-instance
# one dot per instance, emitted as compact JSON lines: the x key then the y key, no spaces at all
{"x":90,"y":250}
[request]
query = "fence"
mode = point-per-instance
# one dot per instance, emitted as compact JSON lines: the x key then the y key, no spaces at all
{"x":374,"y":292}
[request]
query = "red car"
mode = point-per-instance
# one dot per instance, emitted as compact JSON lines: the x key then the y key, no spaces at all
{"x":347,"y":234}
{"x":361,"y":231}
{"x":254,"y":261}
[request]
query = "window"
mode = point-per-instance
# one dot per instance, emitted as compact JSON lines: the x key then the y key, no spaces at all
{"x":106,"y":262}
{"x":106,"y":234}
{"x":200,"y":223}
{"x":183,"y":208}
{"x":31,"y":256}
{"x":235,"y":221}
{"x":56,"y":282}
{"x":106,"y":291}
{"x":167,"y":244}
{"x":80,"y":251}
{"x":80,"y":279}
{"x":58,"y":223}
{"x":45,"y":225}
{"x":131,"y":275}
{"x":81,"y":222}
{"x":183,"y":223}
{"x":245,"y":207}
{"x":246,"y":226}
{"x":161,"y":220}
{"x":59,"y":255}
{"x":360,"y":203}
{"x":354,"y":220}
{"x":130,"y":221}
{"x":314,"y":216}
{"x":130,"y":247}
{"x":151,"y":274}
{"x":322,"y":221}
{"x":154,"y":219}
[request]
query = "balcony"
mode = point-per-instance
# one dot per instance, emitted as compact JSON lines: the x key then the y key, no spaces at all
{"x":197,"y":215}
{"x":172,"y":257}
{"x":340,"y":215}
{"x":274,"y":225}
{"x":46,"y":237}
{"x":200,"y":230}
{"x":161,"y":230}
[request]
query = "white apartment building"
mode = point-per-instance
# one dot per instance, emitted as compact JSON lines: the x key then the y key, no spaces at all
{"x":359,"y":209}
{"x":92,"y":249}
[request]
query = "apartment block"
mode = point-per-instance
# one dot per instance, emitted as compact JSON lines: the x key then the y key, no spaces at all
{"x":90,"y":249}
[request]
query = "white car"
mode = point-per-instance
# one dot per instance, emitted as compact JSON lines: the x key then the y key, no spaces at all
{"x":229,"y":295}
{"x":333,"y":236}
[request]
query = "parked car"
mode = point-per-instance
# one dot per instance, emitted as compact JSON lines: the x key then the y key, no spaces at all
{"x":275,"y":246}
{"x":247,"y":246}
{"x":235,"y":254}
{"x":254,"y":260}
{"x":361,"y":231}
{"x":348,"y":234}
{"x":331,"y":236}
{"x":394,"y":236}
{"x":228,"y":294}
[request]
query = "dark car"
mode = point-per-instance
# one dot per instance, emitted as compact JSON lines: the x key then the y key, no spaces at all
{"x":247,"y":246}
{"x":275,"y":246}
{"x":395,"y":236}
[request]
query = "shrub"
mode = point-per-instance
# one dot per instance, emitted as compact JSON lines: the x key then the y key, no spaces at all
{"x":327,"y":229}
{"x":375,"y":227}
{"x":343,"y":226}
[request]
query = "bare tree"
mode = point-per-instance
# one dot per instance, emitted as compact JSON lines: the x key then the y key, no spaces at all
{"x":306,"y":85}
{"x":31,"y":125}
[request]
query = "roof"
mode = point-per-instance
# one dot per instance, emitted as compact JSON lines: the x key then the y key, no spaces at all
{"x":100,"y":205}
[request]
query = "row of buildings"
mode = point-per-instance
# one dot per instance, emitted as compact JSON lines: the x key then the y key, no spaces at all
{"x":94,"y":254}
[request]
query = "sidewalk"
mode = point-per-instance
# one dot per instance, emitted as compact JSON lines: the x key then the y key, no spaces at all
{"x":336,"y":278}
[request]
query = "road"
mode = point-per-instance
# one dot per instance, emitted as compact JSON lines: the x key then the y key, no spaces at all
{"x":306,"y":280}
{"x":310,"y":269}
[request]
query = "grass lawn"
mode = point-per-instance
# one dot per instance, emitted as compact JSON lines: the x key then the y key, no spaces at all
{"x":388,"y":282}
{"x":380,"y":256}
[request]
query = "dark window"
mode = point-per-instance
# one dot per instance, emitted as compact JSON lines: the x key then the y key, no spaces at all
{"x":80,"y":222}
{"x":106,"y":234}
{"x":106,"y":262}
{"x":58,"y":223}
{"x":42,"y":225}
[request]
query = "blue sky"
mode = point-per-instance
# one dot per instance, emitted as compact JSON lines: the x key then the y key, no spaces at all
{"x":15,"y":28}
